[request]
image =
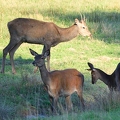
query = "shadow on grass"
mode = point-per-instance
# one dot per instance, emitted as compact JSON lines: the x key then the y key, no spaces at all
{"x":18,"y":60}
{"x":28,"y":97}
{"x":19,"y":63}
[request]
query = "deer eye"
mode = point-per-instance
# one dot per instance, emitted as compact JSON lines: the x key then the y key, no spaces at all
{"x":83,"y":27}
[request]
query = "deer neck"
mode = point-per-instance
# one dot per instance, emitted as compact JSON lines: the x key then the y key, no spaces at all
{"x":109,"y":80}
{"x":104,"y":77}
{"x":68,"y":33}
{"x":44,"y":74}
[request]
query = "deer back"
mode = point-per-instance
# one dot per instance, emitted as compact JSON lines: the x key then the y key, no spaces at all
{"x":31,"y":29}
{"x":69,"y":80}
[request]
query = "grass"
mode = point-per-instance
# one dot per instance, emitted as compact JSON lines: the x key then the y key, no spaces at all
{"x":23,"y":94}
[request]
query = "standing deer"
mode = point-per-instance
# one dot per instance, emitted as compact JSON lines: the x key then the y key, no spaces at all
{"x":59,"y":82}
{"x":112,"y":81}
{"x":39,"y":32}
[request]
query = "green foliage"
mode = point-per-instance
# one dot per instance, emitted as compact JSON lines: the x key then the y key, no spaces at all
{"x":23,"y":94}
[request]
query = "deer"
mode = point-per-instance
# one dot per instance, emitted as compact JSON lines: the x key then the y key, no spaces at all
{"x":27,"y":30}
{"x":112,"y":81}
{"x":59,"y":82}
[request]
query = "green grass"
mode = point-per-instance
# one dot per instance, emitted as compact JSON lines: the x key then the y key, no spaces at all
{"x":24,"y":93}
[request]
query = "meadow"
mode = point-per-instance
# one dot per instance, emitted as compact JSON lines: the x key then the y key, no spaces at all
{"x":22,"y":95}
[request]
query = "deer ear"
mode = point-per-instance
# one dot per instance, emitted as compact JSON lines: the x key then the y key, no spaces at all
{"x":33,"y":52}
{"x":91,"y":66}
{"x":89,"y":69}
{"x":76,"y":21}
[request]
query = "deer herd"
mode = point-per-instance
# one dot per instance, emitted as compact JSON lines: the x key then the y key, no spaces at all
{"x":58,"y":82}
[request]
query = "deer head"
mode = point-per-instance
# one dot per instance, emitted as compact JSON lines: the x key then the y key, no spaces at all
{"x":39,"y":58}
{"x":83,"y":29}
{"x":94,"y":73}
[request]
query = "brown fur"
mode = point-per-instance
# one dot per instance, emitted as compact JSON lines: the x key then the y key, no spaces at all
{"x":39,"y":32}
{"x":69,"y":80}
{"x":60,"y":82}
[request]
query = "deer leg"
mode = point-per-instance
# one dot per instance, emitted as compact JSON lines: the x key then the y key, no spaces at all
{"x":46,"y":47}
{"x":51,"y":101}
{"x":48,"y":63}
{"x":11,"y":53}
{"x":5,"y":52}
{"x":54,"y":104}
{"x":81,"y":99}
{"x":68,"y":103}
{"x":3,"y":61}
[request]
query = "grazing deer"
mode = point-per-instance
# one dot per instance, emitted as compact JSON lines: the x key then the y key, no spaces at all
{"x":112,"y":81}
{"x":39,"y":32}
{"x":59,"y":82}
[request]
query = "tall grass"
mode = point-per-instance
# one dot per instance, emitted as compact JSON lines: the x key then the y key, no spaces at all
{"x":22,"y":96}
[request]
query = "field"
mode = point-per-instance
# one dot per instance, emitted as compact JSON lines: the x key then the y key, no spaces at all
{"x":22,"y":95}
